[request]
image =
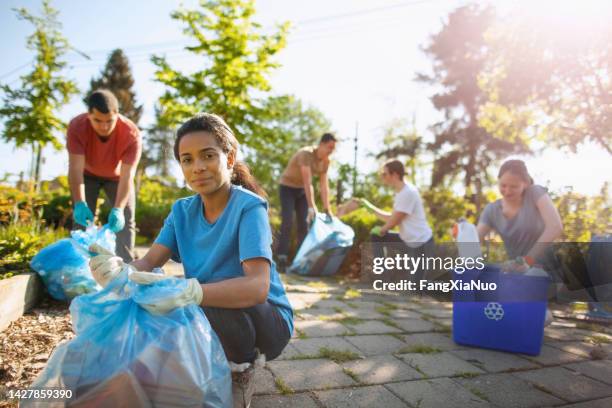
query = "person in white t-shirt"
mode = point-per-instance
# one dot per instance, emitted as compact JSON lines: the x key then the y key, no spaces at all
{"x":408,"y":213}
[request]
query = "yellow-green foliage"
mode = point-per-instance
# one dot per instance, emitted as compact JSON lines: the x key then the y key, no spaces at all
{"x":419,"y":348}
{"x":52,"y":203}
{"x":583,"y":216}
{"x":444,"y":208}
{"x":19,"y":242}
{"x":155,"y":199}
{"x":351,"y":293}
{"x":362,"y":222}
{"x":282,"y":387}
{"x":275,"y":219}
{"x":338,"y":356}
{"x":18,"y":205}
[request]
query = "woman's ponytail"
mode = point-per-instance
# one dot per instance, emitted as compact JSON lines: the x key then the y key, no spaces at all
{"x":241,"y":175}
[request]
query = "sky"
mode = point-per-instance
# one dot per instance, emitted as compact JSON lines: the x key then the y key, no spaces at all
{"x":355,"y":60}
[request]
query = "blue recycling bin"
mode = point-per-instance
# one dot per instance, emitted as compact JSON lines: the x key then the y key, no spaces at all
{"x":511,"y":318}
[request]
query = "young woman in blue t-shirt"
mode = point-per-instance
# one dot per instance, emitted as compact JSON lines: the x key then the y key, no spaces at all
{"x":222,"y":236}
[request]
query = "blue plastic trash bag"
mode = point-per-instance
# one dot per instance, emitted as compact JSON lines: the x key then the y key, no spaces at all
{"x":324,"y":247}
{"x":124,"y":356}
{"x":64,"y":265}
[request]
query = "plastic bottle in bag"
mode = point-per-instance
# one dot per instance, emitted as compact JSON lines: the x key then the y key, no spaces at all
{"x":64,"y":265}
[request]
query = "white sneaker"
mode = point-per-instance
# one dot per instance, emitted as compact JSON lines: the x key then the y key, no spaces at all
{"x":243,"y":381}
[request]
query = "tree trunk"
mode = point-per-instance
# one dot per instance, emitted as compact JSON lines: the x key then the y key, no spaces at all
{"x":470,"y":168}
{"x":37,"y":167}
{"x":478,"y":200}
{"x":339,"y":192}
{"x":413,"y":169}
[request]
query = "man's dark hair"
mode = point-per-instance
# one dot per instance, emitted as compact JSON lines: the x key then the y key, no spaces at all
{"x":328,"y":137}
{"x":103,"y":101}
{"x":395,"y":166}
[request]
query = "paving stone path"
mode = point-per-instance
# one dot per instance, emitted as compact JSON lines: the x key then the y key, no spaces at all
{"x":355,"y":347}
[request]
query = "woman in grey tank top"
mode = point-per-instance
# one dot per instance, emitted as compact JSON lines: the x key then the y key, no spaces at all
{"x":525,"y":217}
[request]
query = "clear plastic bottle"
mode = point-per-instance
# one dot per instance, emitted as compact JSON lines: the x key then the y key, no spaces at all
{"x":466,"y":237}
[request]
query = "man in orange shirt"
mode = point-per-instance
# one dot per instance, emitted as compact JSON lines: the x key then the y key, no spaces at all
{"x":104,"y":148}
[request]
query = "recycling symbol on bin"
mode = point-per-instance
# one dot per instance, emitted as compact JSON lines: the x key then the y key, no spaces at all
{"x":494,"y":311}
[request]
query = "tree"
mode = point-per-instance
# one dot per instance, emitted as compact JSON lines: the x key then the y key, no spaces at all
{"x":550,"y":82}
{"x":157,"y":152}
{"x":30,"y":110}
{"x":401,"y":140}
{"x":584,"y":216}
{"x":461,"y":146}
{"x":159,"y":140}
{"x":235,"y":59}
{"x":344,"y":178}
{"x":117,"y":78}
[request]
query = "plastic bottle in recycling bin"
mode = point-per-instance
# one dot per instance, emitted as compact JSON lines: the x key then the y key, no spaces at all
{"x":466,"y":237}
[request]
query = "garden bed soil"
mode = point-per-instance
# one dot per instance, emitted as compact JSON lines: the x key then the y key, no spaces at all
{"x":27,"y":343}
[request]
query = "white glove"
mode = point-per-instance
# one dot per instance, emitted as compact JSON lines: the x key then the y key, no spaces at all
{"x":311,"y":215}
{"x":105,"y":266}
{"x":146,"y":278}
{"x":191,"y":295}
{"x":366,"y":204}
{"x":513,"y":266}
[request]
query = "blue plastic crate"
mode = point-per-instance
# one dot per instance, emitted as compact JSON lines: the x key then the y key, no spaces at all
{"x":509,"y":319}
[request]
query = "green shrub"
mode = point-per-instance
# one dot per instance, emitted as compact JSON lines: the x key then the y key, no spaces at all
{"x":20,"y":241}
{"x":444,"y":208}
{"x":16,"y":205}
{"x":362,"y":222}
{"x":153,"y":204}
{"x":583,"y":216}
{"x":52,"y":204}
{"x":275,"y":219}
{"x":57,"y":212}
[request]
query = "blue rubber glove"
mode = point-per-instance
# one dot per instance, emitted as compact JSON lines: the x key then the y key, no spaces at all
{"x":82,"y":214}
{"x":328,"y":216}
{"x":116,"y":220}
